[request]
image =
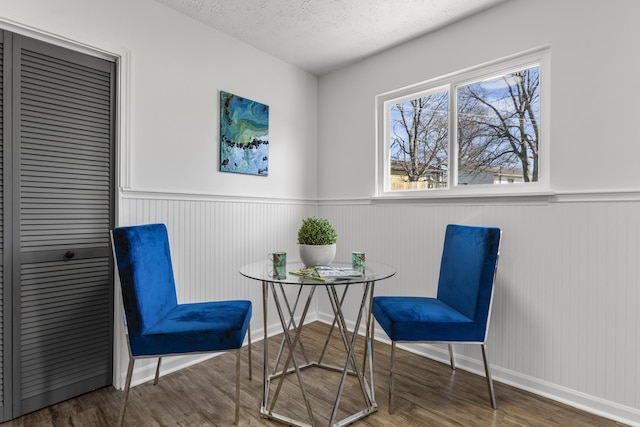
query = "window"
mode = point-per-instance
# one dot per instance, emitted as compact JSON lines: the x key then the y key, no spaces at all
{"x":478,"y":132}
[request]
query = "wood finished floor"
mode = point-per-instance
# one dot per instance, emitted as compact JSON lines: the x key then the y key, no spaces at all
{"x":428,"y":393}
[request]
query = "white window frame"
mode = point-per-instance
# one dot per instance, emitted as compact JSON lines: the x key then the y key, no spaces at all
{"x":540,"y":57}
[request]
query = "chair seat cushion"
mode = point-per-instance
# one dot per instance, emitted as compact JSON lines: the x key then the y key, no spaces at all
{"x":196,"y":327}
{"x":423,"y":319}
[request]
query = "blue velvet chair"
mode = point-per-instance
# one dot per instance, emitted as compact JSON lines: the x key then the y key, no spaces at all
{"x":460,"y":312}
{"x":157,"y":325}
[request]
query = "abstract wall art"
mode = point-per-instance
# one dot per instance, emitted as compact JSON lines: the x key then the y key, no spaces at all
{"x":244,"y":135}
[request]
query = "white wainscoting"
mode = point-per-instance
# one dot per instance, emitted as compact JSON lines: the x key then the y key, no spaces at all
{"x":210,"y":239}
{"x":565,"y":320}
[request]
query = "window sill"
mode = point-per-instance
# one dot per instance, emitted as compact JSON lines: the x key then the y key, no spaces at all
{"x":542,"y":197}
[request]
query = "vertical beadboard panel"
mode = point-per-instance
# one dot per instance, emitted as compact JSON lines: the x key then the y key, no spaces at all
{"x":211,"y":239}
{"x":565,"y":317}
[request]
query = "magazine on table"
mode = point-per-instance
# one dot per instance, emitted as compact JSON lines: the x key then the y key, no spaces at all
{"x":329,"y":272}
{"x":322,"y":273}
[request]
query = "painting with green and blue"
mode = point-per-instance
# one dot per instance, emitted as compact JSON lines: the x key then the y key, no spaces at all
{"x":244,"y":135}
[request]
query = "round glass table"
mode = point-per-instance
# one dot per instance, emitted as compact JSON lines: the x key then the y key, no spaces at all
{"x":337,"y":289}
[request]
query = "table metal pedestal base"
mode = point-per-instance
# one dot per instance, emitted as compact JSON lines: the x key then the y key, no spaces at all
{"x":292,"y":341}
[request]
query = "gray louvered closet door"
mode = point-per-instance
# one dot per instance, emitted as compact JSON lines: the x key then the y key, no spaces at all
{"x":62,"y":194}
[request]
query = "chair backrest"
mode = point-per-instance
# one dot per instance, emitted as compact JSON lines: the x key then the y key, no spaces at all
{"x":146,"y":274}
{"x":467,"y":270}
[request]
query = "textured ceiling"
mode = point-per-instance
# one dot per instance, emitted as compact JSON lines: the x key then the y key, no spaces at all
{"x":320,"y":36}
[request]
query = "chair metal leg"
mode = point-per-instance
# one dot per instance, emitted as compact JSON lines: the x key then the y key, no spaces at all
{"x":372,"y":336}
{"x":249,"y":349}
{"x":237,"y":387}
{"x":451,"y":358}
{"x":492,"y":394}
{"x":127,"y":386}
{"x":155,"y":380}
{"x":391,"y":376}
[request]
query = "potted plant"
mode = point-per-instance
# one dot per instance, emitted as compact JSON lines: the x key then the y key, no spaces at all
{"x":316,"y":241}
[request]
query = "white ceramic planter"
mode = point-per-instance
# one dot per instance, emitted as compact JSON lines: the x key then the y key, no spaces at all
{"x":314,"y":255}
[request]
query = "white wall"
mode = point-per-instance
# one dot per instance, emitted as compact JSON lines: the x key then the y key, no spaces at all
{"x":565,"y":320}
{"x":172,"y":71}
{"x":177,"y":68}
{"x":593,"y":98}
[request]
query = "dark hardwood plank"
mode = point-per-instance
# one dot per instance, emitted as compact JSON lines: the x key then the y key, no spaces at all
{"x":428,"y":393}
